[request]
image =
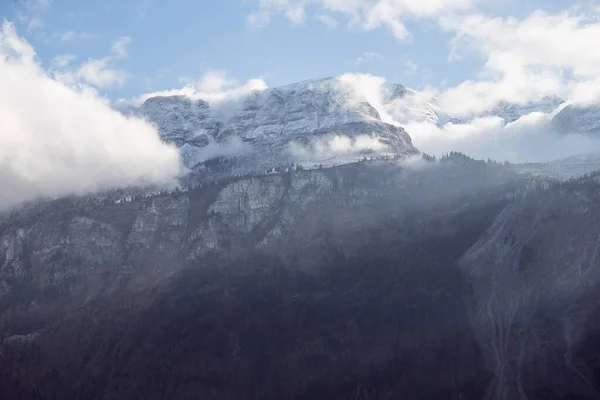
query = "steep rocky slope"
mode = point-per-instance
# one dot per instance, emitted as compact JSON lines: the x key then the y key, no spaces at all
{"x":575,"y":118}
{"x":535,"y":278}
{"x":271,"y":122}
{"x":328,"y":283}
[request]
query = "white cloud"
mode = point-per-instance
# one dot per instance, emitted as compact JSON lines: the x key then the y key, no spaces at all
{"x":327,"y":20}
{"x":95,"y":72}
{"x":368,"y":57}
{"x":233,"y":147}
{"x":63,"y":60}
{"x":57,"y":141}
{"x":529,"y":139}
{"x":366,"y":87}
{"x":214,"y":87}
{"x":526,"y":59}
{"x":119,"y":47}
{"x":99,"y":73}
{"x":366,"y":14}
{"x":71,"y":36}
{"x":336,"y":146}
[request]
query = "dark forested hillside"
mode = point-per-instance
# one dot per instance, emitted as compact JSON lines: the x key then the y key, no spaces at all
{"x":459,"y":279}
{"x":387,"y":322}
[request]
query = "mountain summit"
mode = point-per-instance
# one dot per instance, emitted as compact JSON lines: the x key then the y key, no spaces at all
{"x":307,"y":122}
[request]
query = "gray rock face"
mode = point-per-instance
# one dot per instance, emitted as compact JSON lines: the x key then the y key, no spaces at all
{"x":535,"y":277}
{"x":181,"y":120}
{"x":406,"y":105}
{"x":269,"y":121}
{"x":78,"y":246}
{"x":511,"y":112}
{"x":577,"y":119}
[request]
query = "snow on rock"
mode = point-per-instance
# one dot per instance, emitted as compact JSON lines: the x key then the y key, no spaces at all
{"x":271,"y":120}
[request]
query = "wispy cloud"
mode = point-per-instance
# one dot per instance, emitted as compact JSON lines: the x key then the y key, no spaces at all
{"x":119,"y":47}
{"x":100,"y":73}
{"x":368,"y":57}
{"x":224,"y":94}
{"x":34,"y":23}
{"x":327,"y":20}
{"x":71,"y":36}
{"x":63,"y":60}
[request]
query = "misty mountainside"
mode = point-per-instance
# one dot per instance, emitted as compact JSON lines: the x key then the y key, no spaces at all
{"x":407,"y":105}
{"x":565,"y":168}
{"x":410,"y":105}
{"x":275,"y":126}
{"x":326,"y":283}
{"x":535,"y":304}
{"x":511,"y":112}
{"x":574,"y":118}
{"x":439,"y":279}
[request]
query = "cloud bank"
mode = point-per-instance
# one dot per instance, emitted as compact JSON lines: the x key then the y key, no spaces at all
{"x":337,"y":147}
{"x":215,"y":87}
{"x":57,"y":141}
{"x":529,"y":139}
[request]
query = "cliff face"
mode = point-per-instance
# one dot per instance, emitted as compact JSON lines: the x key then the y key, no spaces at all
{"x":330,"y":282}
{"x":306,"y":284}
{"x":535,"y":278}
{"x":71,"y":244}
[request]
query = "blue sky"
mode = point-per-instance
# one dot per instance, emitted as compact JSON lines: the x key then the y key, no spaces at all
{"x":182,"y":39}
{"x":179,"y":40}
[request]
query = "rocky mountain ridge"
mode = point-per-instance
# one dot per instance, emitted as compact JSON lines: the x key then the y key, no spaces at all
{"x":307,"y":115}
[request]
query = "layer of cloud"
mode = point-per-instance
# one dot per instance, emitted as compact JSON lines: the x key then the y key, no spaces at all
{"x":215,"y":87}
{"x":192,"y":155}
{"x":529,"y":139}
{"x":58,"y":141}
{"x":366,"y":14}
{"x":336,"y":146}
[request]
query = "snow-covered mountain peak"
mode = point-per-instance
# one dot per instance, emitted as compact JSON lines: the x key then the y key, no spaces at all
{"x":316,"y":119}
{"x":510,"y":112}
{"x":397,"y":91}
